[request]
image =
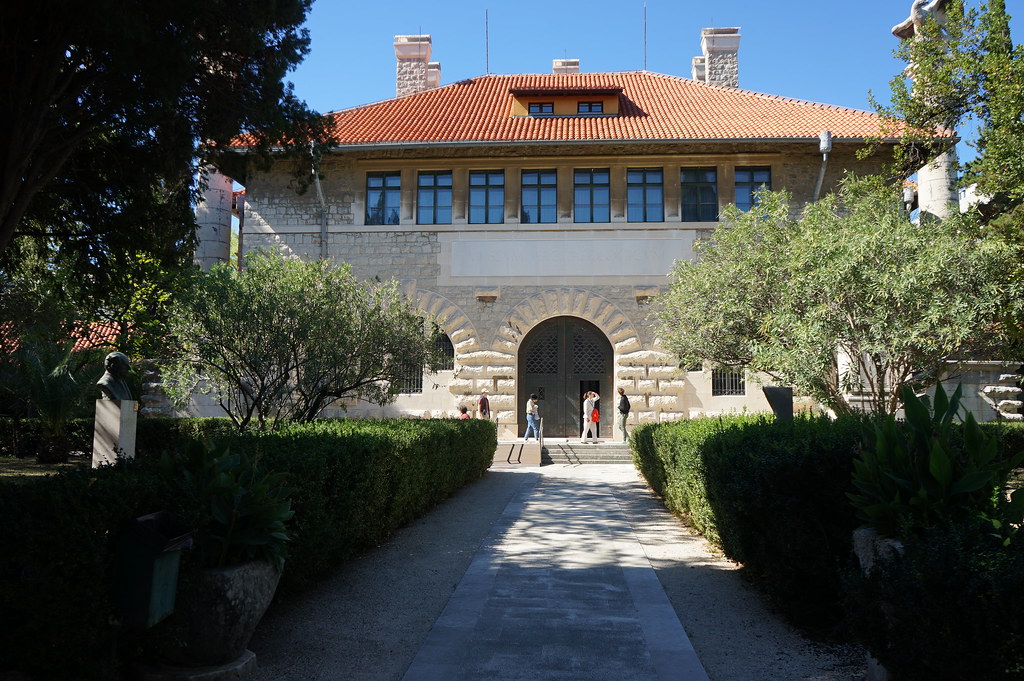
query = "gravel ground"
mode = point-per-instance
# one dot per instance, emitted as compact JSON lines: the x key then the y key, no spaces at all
{"x":366,"y":622}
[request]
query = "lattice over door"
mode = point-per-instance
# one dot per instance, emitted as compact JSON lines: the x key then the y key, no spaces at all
{"x":587,"y":357}
{"x":542,"y":357}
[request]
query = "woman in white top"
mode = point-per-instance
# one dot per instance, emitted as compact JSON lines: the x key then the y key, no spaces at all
{"x":590,"y":400}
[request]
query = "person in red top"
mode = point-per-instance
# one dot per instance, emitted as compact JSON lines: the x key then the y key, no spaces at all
{"x":463,"y":412}
{"x":483,"y":406}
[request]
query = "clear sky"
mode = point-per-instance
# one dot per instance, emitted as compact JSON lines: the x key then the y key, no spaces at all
{"x":816,"y":50}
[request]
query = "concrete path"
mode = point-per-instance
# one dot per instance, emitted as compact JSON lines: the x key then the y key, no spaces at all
{"x":539,"y":574}
{"x":561,"y":589}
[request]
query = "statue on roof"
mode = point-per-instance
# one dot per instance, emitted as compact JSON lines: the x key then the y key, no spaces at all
{"x":920,"y":12}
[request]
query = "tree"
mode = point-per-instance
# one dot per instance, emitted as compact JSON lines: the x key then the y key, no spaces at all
{"x":284,"y":339}
{"x":967,"y":73}
{"x":113,"y":106}
{"x":833,"y":301}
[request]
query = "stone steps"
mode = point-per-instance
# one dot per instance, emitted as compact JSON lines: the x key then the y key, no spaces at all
{"x":576,"y":453}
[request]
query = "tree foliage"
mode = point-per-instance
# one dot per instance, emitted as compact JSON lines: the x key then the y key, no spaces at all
{"x":113,"y":106}
{"x":966,"y":73}
{"x":284,"y":339}
{"x":835,"y":299}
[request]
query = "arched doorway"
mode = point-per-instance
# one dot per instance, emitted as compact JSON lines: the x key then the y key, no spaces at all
{"x":559,"y":360}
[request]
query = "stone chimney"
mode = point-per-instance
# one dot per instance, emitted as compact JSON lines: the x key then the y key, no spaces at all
{"x":720,"y":63}
{"x":433,"y":75}
{"x":414,"y":72}
{"x":560,"y":66}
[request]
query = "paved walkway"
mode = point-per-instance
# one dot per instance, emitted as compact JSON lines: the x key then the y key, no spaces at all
{"x":561,"y":589}
{"x":538,"y":574}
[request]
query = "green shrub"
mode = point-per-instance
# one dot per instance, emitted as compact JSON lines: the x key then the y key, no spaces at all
{"x":770,"y":495}
{"x":355,"y":482}
{"x":948,"y":609}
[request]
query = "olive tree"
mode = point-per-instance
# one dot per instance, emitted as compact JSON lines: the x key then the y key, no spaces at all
{"x":284,"y":339}
{"x":848,"y":297}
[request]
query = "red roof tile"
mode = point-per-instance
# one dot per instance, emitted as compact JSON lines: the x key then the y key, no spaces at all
{"x":651,"y":107}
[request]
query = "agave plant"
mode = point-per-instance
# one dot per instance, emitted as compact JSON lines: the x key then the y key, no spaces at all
{"x":911,"y":475}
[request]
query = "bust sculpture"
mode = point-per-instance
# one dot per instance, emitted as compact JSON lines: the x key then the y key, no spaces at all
{"x":113,"y":384}
{"x":920,"y":12}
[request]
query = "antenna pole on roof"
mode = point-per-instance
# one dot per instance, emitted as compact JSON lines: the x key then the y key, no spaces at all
{"x":487,"y":46}
{"x":645,"y":36}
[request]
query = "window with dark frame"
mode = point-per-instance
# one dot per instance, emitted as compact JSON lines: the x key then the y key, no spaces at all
{"x":541,"y":108}
{"x":590,"y":107}
{"x":410,"y":380}
{"x":591,"y":195}
{"x":539,"y":196}
{"x":724,"y":382}
{"x":434,"y":198}
{"x":487,"y":197}
{"x":445,"y":348}
{"x":699,"y":194}
{"x":383,"y":198}
{"x":645,"y":195}
{"x":750,"y":181}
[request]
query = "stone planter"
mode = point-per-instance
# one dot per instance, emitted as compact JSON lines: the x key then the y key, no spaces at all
{"x":219,"y":612}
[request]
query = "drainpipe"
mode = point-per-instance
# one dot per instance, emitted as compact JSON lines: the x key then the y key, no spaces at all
{"x":323,"y":214}
{"x":825,"y":146}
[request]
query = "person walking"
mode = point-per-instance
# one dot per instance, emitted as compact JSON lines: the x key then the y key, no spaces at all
{"x":624,"y":407}
{"x":532,"y":418}
{"x":589,"y":425}
{"x":483,"y":406}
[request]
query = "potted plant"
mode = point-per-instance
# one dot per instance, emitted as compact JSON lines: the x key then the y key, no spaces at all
{"x":240,"y":516}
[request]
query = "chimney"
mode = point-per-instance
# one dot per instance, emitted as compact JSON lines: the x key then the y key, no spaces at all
{"x":697,"y":69}
{"x":720,"y":66}
{"x":560,"y":66}
{"x":412,"y":73}
{"x":433,"y":75}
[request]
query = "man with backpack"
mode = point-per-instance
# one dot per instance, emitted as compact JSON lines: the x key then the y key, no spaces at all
{"x":623,"y":413}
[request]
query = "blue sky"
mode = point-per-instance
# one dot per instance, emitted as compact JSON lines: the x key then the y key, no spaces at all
{"x":830,"y":52}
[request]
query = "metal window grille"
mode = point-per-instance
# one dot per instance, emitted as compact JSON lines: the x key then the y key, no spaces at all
{"x":410,"y":380}
{"x":727,"y":383}
{"x":447,"y":350}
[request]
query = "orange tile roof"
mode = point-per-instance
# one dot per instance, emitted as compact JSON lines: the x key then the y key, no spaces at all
{"x":652,"y":107}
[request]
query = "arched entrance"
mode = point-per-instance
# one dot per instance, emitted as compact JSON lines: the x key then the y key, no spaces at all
{"x":559,"y":360}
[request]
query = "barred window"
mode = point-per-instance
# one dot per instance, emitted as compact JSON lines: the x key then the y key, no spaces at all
{"x":727,"y":382}
{"x":444,"y":346}
{"x":410,"y":380}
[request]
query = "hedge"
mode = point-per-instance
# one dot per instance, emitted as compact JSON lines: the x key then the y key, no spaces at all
{"x":771,"y":496}
{"x":356,"y":482}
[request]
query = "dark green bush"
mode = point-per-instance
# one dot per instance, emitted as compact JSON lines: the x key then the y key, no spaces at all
{"x":771,"y":495}
{"x":948,"y":609}
{"x":355,"y":483}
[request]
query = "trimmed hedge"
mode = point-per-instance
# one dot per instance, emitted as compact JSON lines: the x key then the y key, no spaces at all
{"x":356,"y":482}
{"x":771,"y":495}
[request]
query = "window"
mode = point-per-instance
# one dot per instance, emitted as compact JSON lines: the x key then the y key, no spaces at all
{"x":540,"y":196}
{"x":749,"y":181}
{"x":727,"y":383}
{"x":410,"y":379}
{"x":541,"y":108}
{"x":445,"y":348}
{"x":699,"y":194}
{"x":591,"y":191}
{"x":434,"y":198}
{"x":487,"y":197}
{"x":590,"y":107}
{"x":645,"y":195}
{"x":383,"y":198}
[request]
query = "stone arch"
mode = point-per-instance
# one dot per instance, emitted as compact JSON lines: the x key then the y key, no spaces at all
{"x":451,"y":318}
{"x":571,"y":302}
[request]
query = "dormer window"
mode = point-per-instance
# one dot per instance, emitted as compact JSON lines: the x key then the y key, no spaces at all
{"x":589,"y":107}
{"x":542,"y":108}
{"x":566,"y":101}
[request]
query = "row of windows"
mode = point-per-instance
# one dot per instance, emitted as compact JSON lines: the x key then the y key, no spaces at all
{"x":645,"y":195}
{"x":548,"y":108}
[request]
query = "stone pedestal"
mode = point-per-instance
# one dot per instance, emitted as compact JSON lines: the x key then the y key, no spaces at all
{"x":114,"y":433}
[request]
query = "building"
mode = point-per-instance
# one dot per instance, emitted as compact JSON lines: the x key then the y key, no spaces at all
{"x":536,"y":214}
